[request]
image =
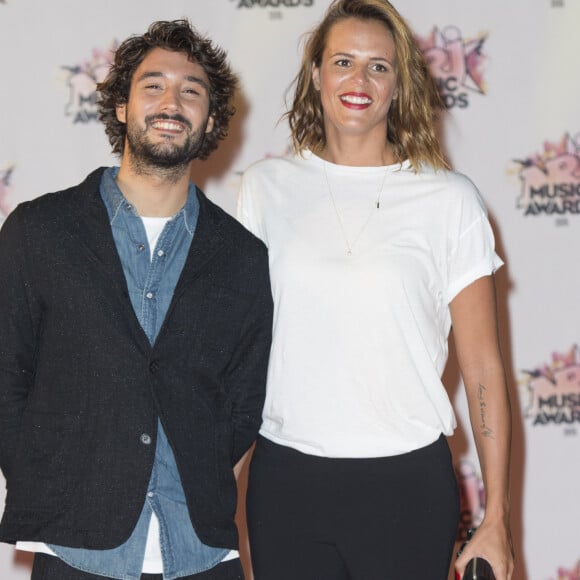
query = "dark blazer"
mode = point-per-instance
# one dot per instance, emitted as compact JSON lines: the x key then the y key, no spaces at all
{"x":81,"y":388}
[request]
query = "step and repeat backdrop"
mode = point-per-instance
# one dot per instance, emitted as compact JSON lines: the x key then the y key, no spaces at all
{"x":510,"y":79}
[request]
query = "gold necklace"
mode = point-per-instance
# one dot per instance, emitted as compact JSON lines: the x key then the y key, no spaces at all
{"x":350,"y":245}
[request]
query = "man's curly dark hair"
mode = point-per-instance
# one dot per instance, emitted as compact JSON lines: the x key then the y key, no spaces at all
{"x":175,"y":36}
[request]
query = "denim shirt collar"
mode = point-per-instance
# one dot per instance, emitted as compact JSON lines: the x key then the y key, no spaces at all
{"x":114,"y":199}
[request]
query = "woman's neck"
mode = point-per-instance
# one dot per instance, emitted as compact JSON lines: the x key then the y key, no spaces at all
{"x":358,"y":151}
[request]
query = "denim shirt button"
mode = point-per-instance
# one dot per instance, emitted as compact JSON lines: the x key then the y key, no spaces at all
{"x":145,"y":439}
{"x":140,"y":247}
{"x":161,"y":253}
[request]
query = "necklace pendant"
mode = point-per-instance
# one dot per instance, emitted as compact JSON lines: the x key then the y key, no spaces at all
{"x":349,"y":245}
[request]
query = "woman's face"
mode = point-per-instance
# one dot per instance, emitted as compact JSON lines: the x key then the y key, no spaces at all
{"x":357,"y":79}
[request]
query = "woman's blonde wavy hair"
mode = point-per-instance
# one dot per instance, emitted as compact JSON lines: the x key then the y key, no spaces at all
{"x":411,"y":118}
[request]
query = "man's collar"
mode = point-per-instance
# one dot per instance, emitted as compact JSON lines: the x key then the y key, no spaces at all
{"x":114,"y":199}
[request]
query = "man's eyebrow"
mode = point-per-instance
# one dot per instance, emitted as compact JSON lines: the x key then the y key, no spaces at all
{"x":197,"y":80}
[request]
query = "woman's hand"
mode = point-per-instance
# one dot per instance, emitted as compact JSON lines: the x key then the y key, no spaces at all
{"x":491,"y":541}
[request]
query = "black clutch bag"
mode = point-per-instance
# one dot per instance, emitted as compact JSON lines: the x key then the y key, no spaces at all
{"x":478,"y":569}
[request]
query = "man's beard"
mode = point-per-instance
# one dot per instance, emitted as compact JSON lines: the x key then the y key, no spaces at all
{"x":167,"y":156}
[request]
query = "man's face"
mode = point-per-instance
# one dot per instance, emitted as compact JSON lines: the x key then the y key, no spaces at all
{"x":167,"y":114}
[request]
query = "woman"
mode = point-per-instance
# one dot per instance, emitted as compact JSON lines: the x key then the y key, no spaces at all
{"x":376,"y":249}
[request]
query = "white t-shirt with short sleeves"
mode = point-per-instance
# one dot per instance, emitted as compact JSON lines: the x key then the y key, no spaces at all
{"x":360,"y":340}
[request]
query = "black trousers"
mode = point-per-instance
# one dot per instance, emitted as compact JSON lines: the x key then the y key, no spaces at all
{"x":47,"y":567}
{"x":313,"y":518}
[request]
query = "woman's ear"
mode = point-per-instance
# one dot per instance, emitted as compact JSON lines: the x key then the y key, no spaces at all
{"x":316,"y":77}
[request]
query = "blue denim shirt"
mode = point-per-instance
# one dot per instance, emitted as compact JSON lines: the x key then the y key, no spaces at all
{"x":151,"y":283}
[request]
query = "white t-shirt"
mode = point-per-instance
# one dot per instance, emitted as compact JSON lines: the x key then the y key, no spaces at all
{"x":360,"y":340}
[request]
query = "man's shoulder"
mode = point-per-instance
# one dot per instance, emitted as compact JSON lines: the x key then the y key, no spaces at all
{"x":55,"y":201}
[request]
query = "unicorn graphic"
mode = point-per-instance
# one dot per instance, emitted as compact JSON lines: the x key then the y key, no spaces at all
{"x":553,"y":390}
{"x":82,"y":84}
{"x":552,"y":176}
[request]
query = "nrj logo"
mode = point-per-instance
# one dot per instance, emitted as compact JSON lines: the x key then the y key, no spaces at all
{"x":82,"y":83}
{"x":550,"y":181}
{"x":552,"y":392}
{"x":5,"y":189}
{"x":472,"y":498}
{"x":272,"y":3}
{"x":456,"y":64}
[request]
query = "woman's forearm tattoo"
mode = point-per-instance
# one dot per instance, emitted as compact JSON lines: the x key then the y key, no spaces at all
{"x":486,"y":431}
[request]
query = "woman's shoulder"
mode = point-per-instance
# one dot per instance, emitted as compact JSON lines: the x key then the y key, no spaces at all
{"x":273,"y":167}
{"x":448,"y":182}
{"x":452,"y":177}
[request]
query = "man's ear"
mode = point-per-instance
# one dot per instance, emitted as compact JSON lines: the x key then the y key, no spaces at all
{"x":210,"y":124}
{"x":121,"y":111}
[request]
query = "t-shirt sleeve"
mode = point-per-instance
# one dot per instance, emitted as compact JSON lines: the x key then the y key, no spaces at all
{"x":247,"y":211}
{"x":472,"y":250}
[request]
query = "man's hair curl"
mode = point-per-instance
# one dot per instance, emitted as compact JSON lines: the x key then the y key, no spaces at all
{"x":175,"y":36}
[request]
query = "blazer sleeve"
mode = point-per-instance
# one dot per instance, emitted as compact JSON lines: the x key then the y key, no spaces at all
{"x":249,"y":365}
{"x":18,"y":334}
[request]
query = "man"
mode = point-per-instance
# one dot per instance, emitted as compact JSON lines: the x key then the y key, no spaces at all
{"x":135,"y":327}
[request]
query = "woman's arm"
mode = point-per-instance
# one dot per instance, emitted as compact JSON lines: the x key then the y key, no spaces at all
{"x":474,"y":320}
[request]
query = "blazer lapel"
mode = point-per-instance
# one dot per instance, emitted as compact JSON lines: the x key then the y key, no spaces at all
{"x":89,"y":225}
{"x":207,"y":242}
